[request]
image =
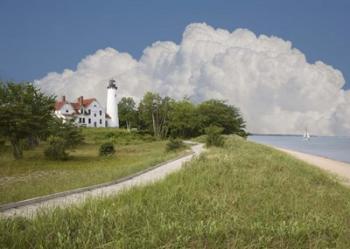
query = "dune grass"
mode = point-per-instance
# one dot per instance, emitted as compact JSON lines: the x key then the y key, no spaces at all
{"x":241,"y":196}
{"x":35,"y":176}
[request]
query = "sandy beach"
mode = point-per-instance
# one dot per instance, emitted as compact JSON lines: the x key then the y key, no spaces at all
{"x":338,"y":168}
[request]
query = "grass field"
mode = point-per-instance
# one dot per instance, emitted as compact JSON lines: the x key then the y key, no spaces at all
{"x":241,"y":196}
{"x":34,"y":175}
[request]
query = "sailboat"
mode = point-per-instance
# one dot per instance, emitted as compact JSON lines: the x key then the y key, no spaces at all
{"x":306,"y":135}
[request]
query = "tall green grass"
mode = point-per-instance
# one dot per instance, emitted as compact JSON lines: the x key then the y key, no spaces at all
{"x":241,"y":196}
{"x":35,"y":175}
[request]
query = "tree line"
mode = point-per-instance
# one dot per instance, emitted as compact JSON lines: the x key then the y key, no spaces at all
{"x":165,"y":116}
{"x":27,"y":117}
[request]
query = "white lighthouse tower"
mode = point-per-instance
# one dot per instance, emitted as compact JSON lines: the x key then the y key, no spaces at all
{"x":112,"y":104}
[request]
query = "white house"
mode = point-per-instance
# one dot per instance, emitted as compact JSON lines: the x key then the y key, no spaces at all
{"x":89,"y":112}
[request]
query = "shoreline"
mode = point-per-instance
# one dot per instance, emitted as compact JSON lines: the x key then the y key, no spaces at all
{"x":339,"y":168}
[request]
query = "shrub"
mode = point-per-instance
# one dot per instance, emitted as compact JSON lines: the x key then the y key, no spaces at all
{"x":110,"y":135}
{"x":68,"y":131}
{"x":174,"y":143}
{"x":148,"y":138}
{"x":214,"y":137}
{"x":56,"y":149}
{"x":106,"y":149}
{"x":2,"y":141}
{"x":2,"y":144}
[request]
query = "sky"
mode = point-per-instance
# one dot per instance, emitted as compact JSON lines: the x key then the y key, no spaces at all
{"x":37,"y":37}
{"x":284,"y":64}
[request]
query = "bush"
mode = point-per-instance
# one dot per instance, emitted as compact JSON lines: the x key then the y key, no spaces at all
{"x":56,"y":149}
{"x":107,"y":149}
{"x":174,"y":143}
{"x":214,"y":137}
{"x":2,"y":141}
{"x":148,"y":138}
{"x":2,"y":144}
{"x":68,"y":131}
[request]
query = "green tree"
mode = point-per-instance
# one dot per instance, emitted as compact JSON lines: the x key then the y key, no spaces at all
{"x":24,"y":113}
{"x":214,"y":137}
{"x":218,"y":113}
{"x":127,"y":112}
{"x":62,"y":135}
{"x":183,"y":119}
{"x":66,"y":130}
{"x":154,"y":114}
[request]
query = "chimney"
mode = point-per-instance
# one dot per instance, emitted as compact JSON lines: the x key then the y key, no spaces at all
{"x":63,"y":98}
{"x":80,"y":100}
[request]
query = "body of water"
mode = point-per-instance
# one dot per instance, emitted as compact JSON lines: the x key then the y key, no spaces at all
{"x":336,"y":148}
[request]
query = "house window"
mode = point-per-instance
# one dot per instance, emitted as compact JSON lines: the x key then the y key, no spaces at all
{"x":66,"y":110}
{"x":89,"y":111}
{"x":79,"y":120}
{"x":94,"y":114}
{"x":83,"y":120}
{"x":100,"y":113}
{"x":100,"y":121}
{"x":89,"y":120}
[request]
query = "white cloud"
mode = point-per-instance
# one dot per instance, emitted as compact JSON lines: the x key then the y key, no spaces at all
{"x":277,"y":90}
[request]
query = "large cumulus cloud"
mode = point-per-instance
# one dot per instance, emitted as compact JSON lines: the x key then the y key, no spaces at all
{"x":272,"y":83}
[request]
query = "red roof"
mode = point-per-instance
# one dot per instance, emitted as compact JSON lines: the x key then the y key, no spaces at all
{"x":76,"y":105}
{"x":58,"y":105}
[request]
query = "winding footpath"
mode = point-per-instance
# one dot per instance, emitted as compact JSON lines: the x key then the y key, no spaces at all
{"x":29,"y":208}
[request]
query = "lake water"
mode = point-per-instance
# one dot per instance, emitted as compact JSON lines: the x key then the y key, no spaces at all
{"x":337,"y":148}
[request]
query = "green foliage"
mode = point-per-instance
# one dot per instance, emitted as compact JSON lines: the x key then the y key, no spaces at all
{"x":214,"y":137}
{"x":174,"y":144}
{"x":24,"y":144}
{"x":56,"y":149}
{"x":62,"y":136}
{"x":106,"y":149}
{"x":183,"y":119}
{"x":2,"y":144}
{"x":162,"y":116}
{"x":24,"y":112}
{"x":154,"y":114}
{"x":68,"y":131}
{"x":244,"y":195}
{"x":117,"y":136}
{"x":218,"y":113}
{"x":127,"y":112}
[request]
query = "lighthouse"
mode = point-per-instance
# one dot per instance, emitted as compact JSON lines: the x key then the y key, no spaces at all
{"x":112,"y":104}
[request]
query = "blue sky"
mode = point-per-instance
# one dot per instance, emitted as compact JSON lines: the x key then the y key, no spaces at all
{"x":37,"y":37}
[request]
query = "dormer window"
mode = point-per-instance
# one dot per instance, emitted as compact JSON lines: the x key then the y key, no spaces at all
{"x":66,"y":111}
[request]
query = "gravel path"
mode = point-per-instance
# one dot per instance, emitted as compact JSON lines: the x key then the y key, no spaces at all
{"x":29,"y":210}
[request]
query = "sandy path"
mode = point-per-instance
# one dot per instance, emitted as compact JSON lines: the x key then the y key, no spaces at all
{"x":76,"y":198}
{"x":338,"y":168}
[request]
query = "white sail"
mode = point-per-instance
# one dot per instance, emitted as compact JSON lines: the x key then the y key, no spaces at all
{"x":306,"y":135}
